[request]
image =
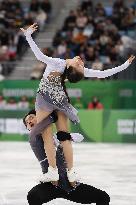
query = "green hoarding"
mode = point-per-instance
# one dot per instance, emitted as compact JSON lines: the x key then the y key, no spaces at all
{"x":90,"y":125}
{"x":112,"y":94}
{"x":96,"y":126}
{"x":119,"y":126}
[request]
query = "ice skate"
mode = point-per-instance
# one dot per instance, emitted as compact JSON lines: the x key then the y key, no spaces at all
{"x":72,"y":177}
{"x":51,"y":176}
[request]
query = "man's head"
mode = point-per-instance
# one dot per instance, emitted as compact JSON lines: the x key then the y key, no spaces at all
{"x":95,"y":99}
{"x":30,"y":119}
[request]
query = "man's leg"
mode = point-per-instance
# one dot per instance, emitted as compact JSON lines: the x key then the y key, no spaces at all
{"x":87,"y":194}
{"x":84,"y":194}
{"x":43,"y":193}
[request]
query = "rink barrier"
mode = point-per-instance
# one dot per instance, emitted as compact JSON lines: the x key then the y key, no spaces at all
{"x":95,"y":125}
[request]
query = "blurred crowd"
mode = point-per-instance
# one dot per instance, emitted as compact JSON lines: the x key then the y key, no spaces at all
{"x":13,"y":15}
{"x":100,"y":35}
{"x":25,"y":103}
{"x":92,"y":105}
{"x":13,"y":104}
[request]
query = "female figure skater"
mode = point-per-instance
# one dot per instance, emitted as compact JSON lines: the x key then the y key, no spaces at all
{"x":52,"y":96}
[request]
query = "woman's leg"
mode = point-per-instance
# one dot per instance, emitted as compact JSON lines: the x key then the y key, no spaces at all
{"x":62,"y":125}
{"x":48,"y":139}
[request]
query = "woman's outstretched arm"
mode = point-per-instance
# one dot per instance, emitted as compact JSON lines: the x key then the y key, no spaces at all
{"x":108,"y":72}
{"x":37,"y":52}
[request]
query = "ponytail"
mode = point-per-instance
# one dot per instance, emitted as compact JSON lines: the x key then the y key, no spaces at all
{"x":64,"y":77}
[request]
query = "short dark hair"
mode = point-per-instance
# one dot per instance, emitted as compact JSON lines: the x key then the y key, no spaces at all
{"x":29,"y":113}
{"x":72,"y":75}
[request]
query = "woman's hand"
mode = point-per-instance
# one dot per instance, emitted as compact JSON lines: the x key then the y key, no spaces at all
{"x":30,"y":29}
{"x":131,"y":59}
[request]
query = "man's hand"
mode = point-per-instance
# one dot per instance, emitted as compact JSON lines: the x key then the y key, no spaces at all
{"x":30,"y":29}
{"x":131,"y":59}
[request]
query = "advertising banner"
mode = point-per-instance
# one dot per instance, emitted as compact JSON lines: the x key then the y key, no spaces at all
{"x":112,"y":94}
{"x":95,"y":125}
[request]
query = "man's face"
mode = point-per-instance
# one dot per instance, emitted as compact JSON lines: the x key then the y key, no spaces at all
{"x":95,"y":99}
{"x":30,"y":121}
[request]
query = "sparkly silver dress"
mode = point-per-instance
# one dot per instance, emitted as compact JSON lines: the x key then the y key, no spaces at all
{"x":51,"y":96}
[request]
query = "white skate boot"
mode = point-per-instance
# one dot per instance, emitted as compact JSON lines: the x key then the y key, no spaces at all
{"x":72,"y":176}
{"x":51,"y":176}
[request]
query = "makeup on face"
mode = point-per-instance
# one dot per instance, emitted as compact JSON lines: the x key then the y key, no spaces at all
{"x":79,"y":64}
{"x":76,"y":63}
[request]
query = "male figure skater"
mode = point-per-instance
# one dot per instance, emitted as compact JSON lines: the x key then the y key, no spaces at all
{"x":45,"y":192}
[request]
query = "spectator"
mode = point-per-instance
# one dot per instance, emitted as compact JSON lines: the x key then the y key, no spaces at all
{"x":4,"y":59}
{"x":18,"y":18}
{"x":46,"y":6}
{"x":10,"y":5}
{"x":1,"y":76}
{"x":78,"y":104}
{"x":87,"y":5}
{"x":37,"y":71}
{"x":99,"y":8}
{"x":90,"y":53}
{"x":81,"y":20}
{"x":128,"y":20}
{"x":119,"y":10}
{"x":41,"y":19}
{"x":11,"y":104}
{"x":113,"y":54}
{"x":20,"y":43}
{"x":34,"y":6}
{"x":80,"y":38}
{"x":97,"y":65}
{"x":4,"y":38}
{"x":28,"y":20}
{"x":119,"y":6}
{"x":69,"y":54}
{"x":109,"y":25}
{"x":62,"y":48}
{"x":23,"y":104}
{"x":70,"y":20}
{"x":115,"y":36}
{"x":99,"y":13}
{"x":12,"y":51}
{"x":95,"y":104}
{"x":2,"y":103}
{"x":89,"y":28}
{"x":104,"y":39}
{"x":4,"y":55}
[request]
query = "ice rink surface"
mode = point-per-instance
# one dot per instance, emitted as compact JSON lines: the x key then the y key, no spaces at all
{"x":111,"y":167}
